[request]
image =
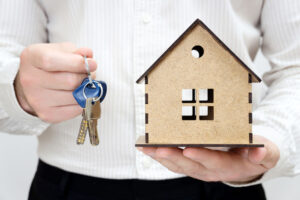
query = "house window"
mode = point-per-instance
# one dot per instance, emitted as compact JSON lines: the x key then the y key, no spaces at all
{"x":205,"y":112}
{"x":188,"y":96}
{"x":188,"y":113}
{"x":206,"y":95}
{"x":197,"y":51}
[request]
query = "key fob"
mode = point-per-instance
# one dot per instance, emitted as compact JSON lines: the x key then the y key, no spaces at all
{"x":86,"y":90}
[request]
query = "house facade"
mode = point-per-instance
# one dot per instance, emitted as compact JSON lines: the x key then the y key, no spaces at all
{"x":198,"y":92}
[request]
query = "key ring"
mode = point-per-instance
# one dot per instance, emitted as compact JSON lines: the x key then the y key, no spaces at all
{"x":88,"y":72}
{"x":94,"y":83}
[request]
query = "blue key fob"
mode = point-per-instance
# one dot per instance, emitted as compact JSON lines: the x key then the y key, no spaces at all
{"x":86,"y":90}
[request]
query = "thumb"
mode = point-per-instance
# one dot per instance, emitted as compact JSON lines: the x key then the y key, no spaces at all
{"x":266,"y":156}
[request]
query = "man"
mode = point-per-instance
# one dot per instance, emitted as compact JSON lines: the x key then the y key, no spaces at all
{"x":42,"y":44}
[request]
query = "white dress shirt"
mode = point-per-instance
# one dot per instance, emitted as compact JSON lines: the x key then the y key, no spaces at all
{"x":127,"y":36}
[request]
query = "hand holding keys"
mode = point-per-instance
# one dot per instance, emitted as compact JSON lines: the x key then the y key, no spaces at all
{"x":89,"y":95}
{"x":47,"y":76}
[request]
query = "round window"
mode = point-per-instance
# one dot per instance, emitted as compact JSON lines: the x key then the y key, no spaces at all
{"x":197,"y":51}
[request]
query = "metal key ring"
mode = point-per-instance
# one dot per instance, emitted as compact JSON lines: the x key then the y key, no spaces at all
{"x":94,"y":83}
{"x":87,"y":67}
{"x":101,"y":90}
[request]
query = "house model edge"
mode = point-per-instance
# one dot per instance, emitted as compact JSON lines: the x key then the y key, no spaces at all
{"x":198,"y":93}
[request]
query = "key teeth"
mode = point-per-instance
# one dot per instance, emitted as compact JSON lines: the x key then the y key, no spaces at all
{"x":82,"y":132}
{"x":80,"y":142}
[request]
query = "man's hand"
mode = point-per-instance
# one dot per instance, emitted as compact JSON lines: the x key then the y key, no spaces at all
{"x":240,"y":165}
{"x":47,"y":76}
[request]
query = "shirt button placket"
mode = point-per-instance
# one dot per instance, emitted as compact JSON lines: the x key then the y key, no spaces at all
{"x":142,"y":29}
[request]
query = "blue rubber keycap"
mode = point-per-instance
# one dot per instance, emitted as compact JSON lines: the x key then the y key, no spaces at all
{"x":85,"y":90}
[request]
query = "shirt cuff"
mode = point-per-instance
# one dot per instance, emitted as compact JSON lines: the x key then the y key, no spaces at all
{"x":284,"y":164}
{"x":28,"y":124}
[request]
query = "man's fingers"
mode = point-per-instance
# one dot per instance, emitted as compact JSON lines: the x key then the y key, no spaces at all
{"x":84,"y":52}
{"x":211,"y":159}
{"x":173,"y":159}
{"x":266,"y":156}
{"x":59,"y":57}
{"x":240,"y":151}
{"x":59,"y":80}
{"x":64,"y":62}
{"x":59,"y":114}
{"x":187,"y":166}
{"x":227,"y":166}
{"x":64,"y":46}
{"x":170,"y":165}
{"x":62,"y":98}
{"x":238,"y":165}
{"x":52,"y":98}
{"x":218,"y":160}
{"x":257,"y":155}
{"x":151,"y":151}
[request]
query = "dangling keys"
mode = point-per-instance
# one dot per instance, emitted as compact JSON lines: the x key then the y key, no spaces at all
{"x":89,"y":95}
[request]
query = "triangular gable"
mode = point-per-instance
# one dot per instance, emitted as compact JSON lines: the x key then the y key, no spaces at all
{"x":184,"y":34}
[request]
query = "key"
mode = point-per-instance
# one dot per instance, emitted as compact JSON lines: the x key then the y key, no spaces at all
{"x":92,"y":113}
{"x":83,"y":129}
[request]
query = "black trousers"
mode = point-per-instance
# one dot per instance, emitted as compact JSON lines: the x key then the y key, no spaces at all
{"x":51,"y":183}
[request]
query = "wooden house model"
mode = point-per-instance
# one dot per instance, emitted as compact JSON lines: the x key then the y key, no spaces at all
{"x":198,"y":93}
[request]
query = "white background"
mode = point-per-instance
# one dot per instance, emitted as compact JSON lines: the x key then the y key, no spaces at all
{"x":18,"y":160}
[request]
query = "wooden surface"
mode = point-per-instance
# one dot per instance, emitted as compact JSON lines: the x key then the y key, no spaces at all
{"x":141,"y":143}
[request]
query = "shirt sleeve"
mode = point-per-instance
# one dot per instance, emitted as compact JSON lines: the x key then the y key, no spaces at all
{"x":21,"y":23}
{"x":278,"y":115}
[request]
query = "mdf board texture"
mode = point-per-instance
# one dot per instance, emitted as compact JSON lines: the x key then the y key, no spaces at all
{"x":216,"y":69}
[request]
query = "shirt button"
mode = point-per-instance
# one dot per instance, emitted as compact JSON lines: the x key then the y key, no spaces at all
{"x":146,"y":18}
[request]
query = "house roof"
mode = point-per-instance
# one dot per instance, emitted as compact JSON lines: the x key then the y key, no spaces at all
{"x":195,"y":23}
